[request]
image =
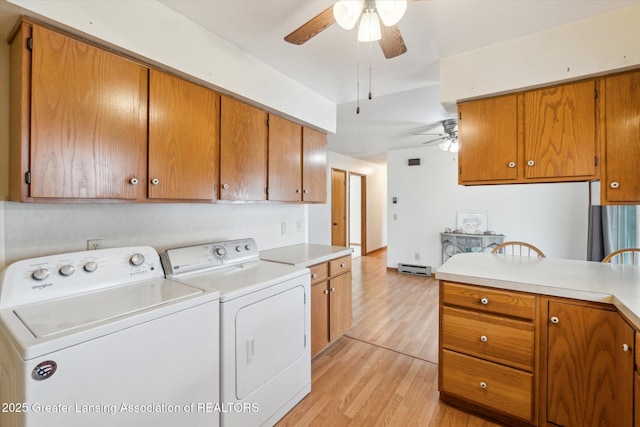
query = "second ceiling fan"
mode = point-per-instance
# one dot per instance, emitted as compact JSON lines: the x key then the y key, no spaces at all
{"x":367,"y":14}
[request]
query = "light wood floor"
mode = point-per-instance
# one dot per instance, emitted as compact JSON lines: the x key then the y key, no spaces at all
{"x":384,"y":371}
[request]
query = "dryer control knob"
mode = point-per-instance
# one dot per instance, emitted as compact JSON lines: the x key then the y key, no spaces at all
{"x":238,"y":249}
{"x":40,"y":274}
{"x":91,"y":266}
{"x":219,"y":252}
{"x":67,"y":270}
{"x":247,"y":247}
{"x":136,"y":260}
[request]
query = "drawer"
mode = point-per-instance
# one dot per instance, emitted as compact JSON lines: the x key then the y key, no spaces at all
{"x":339,"y":265}
{"x":490,"y":300}
{"x":493,"y":386}
{"x":498,"y":339}
{"x":319,"y":272}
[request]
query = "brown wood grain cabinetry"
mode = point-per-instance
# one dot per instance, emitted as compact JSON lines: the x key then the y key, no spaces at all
{"x":243,"y":150}
{"x":487,"y":351}
{"x":285,"y":160}
{"x":184,"y":132}
{"x":488,"y":136}
{"x":87,"y":110}
{"x":314,"y":166}
{"x":331,"y":302}
{"x":590,"y":376}
{"x":620,"y":183}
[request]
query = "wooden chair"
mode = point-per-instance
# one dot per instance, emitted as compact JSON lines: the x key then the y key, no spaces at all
{"x":517,"y":248}
{"x":623,"y":256}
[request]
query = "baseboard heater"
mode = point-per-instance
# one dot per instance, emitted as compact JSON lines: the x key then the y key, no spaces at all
{"x":418,"y":270}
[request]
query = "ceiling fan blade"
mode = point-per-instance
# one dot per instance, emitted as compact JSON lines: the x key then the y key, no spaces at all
{"x":392,"y":43}
{"x":312,"y":27}
{"x":437,"y":139}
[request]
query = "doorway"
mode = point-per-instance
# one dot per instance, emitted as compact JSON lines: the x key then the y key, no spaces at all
{"x":338,"y":207}
{"x":358,"y":213}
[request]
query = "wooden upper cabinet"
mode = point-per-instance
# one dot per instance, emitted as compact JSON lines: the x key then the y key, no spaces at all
{"x":184,"y":132}
{"x":487,"y":130}
{"x":314,"y":166}
{"x":243,"y":151}
{"x":88,"y":135}
{"x":620,"y":183}
{"x":285,"y":160}
{"x":560,"y":132}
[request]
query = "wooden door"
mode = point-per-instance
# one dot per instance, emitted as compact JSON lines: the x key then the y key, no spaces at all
{"x":184,"y":132}
{"x":338,"y":207}
{"x":340,"y":305}
{"x":620,"y":183}
{"x":314,"y":166}
{"x":285,"y":160}
{"x":243,"y":151}
{"x":319,"y":317}
{"x":585,"y":382}
{"x":88,"y":121}
{"x":559,"y":131}
{"x":488,"y":140}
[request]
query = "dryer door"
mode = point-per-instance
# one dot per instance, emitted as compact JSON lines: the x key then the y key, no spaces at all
{"x":270,"y":336}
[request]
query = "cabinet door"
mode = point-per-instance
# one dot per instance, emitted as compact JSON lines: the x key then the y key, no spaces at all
{"x":314,"y":166}
{"x":340,"y":305}
{"x":590,"y":377}
{"x":319,"y":317}
{"x":243,"y":151}
{"x":488,"y":140}
{"x":88,"y":121}
{"x":560,"y":132}
{"x":184,"y":128}
{"x":285,"y":160}
{"x":620,"y":182}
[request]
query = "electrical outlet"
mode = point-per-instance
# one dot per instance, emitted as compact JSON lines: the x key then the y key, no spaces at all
{"x":299,"y":226}
{"x":94,"y":244}
{"x":416,"y":256}
{"x":283,"y":228}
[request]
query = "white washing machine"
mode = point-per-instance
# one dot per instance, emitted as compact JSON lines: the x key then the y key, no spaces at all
{"x":265,"y":357}
{"x":101,"y":338}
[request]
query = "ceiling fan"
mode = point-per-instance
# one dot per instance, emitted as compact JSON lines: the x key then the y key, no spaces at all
{"x":448,"y":139}
{"x":367,"y":14}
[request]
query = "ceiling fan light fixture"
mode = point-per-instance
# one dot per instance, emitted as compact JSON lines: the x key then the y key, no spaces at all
{"x":347,"y":12}
{"x":444,"y":145}
{"x":369,"y":30}
{"x":455,"y":146}
{"x":391,"y":11}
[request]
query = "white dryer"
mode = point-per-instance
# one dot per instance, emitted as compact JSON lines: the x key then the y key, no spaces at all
{"x":100,"y":338}
{"x":265,"y":358}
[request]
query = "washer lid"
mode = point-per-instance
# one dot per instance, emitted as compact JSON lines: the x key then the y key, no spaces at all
{"x":52,"y":317}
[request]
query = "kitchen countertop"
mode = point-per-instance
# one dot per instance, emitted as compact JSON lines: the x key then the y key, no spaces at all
{"x":304,"y":254}
{"x":584,"y":280}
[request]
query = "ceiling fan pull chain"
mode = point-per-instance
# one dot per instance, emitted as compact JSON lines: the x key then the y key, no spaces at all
{"x":358,"y":73}
{"x":370,"y":55}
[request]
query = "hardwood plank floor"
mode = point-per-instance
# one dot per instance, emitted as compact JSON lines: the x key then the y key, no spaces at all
{"x":383,"y":372}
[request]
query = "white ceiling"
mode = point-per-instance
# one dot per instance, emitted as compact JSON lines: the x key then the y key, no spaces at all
{"x":405,"y":89}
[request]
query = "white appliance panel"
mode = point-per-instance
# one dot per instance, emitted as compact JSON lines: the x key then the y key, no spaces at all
{"x":150,"y":375}
{"x":266,"y":348}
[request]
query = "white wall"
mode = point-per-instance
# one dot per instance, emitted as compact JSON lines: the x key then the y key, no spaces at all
{"x":320,"y":215}
{"x":606,"y":42}
{"x":553,"y":217}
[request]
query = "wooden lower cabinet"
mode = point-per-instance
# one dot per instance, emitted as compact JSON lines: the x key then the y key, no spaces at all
{"x":331,"y":302}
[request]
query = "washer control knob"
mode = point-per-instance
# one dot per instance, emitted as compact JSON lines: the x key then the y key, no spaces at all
{"x":67,"y":270}
{"x":219,"y":252}
{"x":91,"y":266}
{"x":136,"y":260}
{"x":40,"y":274}
{"x":247,"y":247}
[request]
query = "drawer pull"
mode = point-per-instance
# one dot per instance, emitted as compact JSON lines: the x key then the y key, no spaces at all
{"x":333,"y":289}
{"x":626,"y":348}
{"x":314,"y":276}
{"x":342,"y":265}
{"x":554,"y":319}
{"x":484,"y":300}
{"x":483,"y":384}
{"x":484,"y":338}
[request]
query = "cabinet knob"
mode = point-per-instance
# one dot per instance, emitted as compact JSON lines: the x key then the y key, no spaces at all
{"x":342,"y":265}
{"x":305,"y":191}
{"x":314,"y":276}
{"x":155,"y":181}
{"x":512,"y":164}
{"x":483,"y":384}
{"x":554,"y":319}
{"x":614,"y":184}
{"x":484,"y":338}
{"x":297,"y":190}
{"x":333,"y":289}
{"x":133,"y":181}
{"x":484,"y":300}
{"x":626,"y":348}
{"x":326,"y":291}
{"x":531,"y":163}
{"x":225,"y":186}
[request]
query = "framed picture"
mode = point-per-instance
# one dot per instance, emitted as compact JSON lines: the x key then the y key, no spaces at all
{"x":472,"y":222}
